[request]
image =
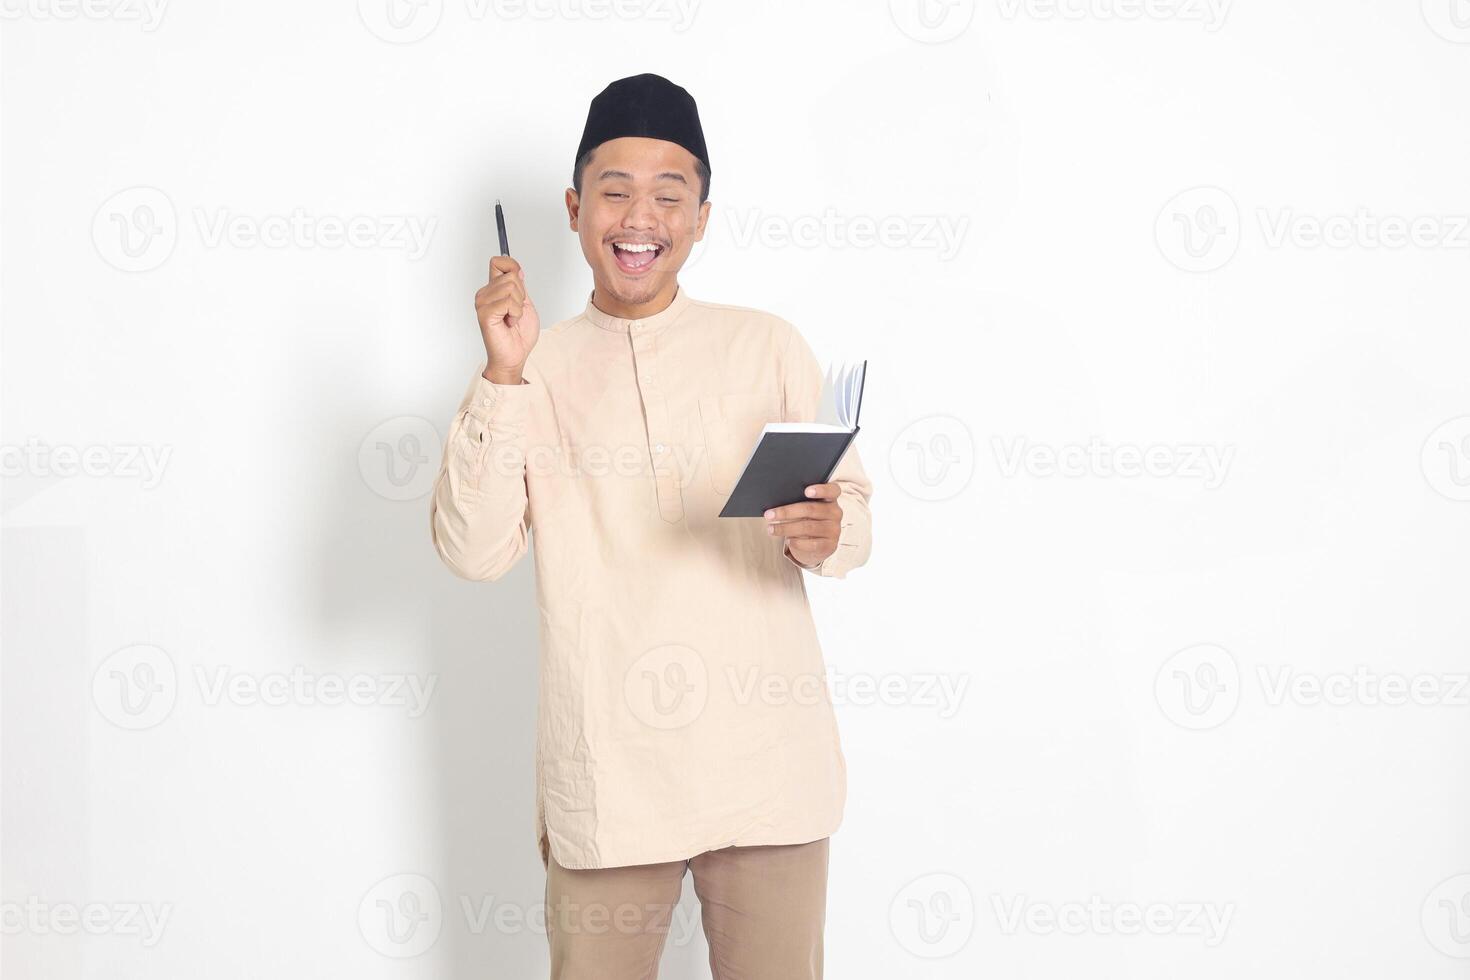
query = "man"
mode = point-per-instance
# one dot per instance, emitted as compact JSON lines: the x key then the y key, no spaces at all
{"x":684,"y":721}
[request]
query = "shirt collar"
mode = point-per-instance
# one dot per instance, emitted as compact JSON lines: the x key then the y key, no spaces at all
{"x":648,"y":324}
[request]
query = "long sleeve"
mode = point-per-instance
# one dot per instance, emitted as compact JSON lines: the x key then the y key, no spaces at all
{"x":479,"y":513}
{"x":802,"y":385}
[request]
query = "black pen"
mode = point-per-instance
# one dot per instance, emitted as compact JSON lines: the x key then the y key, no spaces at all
{"x":500,"y":227}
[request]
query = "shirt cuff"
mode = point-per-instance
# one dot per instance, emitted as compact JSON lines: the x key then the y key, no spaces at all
{"x":488,"y":395}
{"x":494,"y":421}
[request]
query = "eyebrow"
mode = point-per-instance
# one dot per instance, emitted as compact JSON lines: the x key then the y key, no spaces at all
{"x":624,"y":175}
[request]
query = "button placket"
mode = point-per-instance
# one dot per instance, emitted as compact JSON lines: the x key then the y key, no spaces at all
{"x":659,"y":431}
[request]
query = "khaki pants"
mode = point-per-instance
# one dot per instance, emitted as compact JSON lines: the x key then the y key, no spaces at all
{"x":763,"y":909}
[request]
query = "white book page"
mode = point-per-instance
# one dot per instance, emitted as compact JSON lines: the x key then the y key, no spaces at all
{"x":842,"y":389}
{"x":805,"y":427}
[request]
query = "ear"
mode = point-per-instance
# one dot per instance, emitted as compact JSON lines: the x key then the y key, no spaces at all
{"x":703,"y":220}
{"x":573,"y":206}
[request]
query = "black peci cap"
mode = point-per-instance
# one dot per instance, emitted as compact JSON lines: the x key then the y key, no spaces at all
{"x":644,"y":105}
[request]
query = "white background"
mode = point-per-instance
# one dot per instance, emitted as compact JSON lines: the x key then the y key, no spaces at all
{"x":1231,"y":232}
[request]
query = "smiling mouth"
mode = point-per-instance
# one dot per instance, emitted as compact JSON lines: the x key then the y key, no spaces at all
{"x":635,"y":258}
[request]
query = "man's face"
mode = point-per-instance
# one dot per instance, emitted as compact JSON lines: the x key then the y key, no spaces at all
{"x":638,"y":216}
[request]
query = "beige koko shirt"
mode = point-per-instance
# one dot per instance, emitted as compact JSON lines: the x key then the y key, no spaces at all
{"x":683,"y":702}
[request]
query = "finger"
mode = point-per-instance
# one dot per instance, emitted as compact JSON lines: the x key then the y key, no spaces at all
{"x":502,"y":265}
{"x":803,"y":529}
{"x":824,"y":491}
{"x":503,"y":291}
{"x":508,"y":308}
{"x":792,"y":512}
{"x":501,"y":287}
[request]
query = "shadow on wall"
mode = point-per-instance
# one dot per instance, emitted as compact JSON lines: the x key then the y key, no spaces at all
{"x":376,"y":570}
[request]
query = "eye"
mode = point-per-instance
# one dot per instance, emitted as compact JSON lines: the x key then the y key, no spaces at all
{"x":669,"y":200}
{"x":616,"y":194}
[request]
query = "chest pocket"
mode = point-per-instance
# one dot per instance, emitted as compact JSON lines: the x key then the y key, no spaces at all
{"x":732,"y":424}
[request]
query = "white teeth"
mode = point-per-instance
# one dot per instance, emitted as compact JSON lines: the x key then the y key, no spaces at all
{"x":634,"y":247}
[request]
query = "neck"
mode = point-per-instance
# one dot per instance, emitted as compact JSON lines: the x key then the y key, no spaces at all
{"x":604,"y":301}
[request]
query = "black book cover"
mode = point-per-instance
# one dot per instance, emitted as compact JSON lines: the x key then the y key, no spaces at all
{"x":783,"y":465}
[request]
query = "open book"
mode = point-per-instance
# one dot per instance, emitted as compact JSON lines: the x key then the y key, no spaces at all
{"x":791,"y":456}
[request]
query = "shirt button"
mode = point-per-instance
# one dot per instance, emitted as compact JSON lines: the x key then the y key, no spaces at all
{"x":648,"y":379}
{"x":484,"y":401}
{"x":659,"y":448}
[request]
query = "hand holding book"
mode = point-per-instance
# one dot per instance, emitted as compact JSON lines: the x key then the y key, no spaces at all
{"x":811,"y":529}
{"x":790,"y":458}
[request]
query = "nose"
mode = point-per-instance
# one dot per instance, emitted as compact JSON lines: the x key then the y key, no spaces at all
{"x":640,"y":215}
